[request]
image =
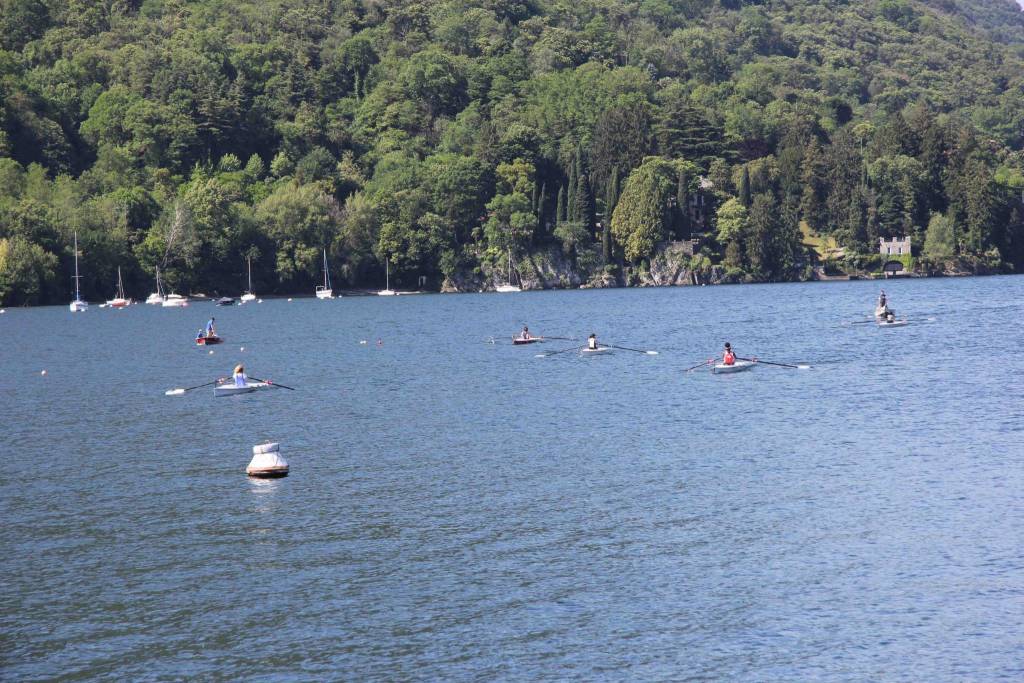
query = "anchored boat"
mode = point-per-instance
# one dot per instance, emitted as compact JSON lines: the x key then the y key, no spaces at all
{"x":248,"y":296}
{"x":324,"y":291}
{"x":119,"y":301}
{"x":77,"y":306}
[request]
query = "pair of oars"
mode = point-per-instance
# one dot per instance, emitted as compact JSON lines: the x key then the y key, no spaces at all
{"x":610,"y":346}
{"x":709,"y":361}
{"x":179,"y":392}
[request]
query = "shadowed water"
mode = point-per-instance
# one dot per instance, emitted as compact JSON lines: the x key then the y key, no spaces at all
{"x":464,"y":510}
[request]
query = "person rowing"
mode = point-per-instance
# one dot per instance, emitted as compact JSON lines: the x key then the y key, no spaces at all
{"x":882,"y":299}
{"x":210,"y":331}
{"x":239,"y":376}
{"x":728,"y":357}
{"x":525,"y":336}
{"x":592,"y":342}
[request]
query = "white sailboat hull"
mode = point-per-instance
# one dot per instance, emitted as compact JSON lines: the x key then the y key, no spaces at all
{"x":78,"y":306}
{"x":507,"y":288}
{"x":155,"y":299}
{"x":174,"y":301}
{"x":323,"y":293}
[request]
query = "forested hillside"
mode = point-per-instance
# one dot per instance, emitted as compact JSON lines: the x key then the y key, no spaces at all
{"x":187,"y":135}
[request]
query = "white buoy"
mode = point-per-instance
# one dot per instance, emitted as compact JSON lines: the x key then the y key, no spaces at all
{"x":289,"y":299}
{"x":43,"y":373}
{"x":211,"y":352}
{"x":242,"y":349}
{"x":267,"y":461}
{"x":362,"y":341}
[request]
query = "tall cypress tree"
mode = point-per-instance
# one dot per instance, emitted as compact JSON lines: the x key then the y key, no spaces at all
{"x":611,"y":198}
{"x":683,"y":226}
{"x":571,"y":213}
{"x":541,"y":200}
{"x":743,"y":191}
{"x":560,"y":206}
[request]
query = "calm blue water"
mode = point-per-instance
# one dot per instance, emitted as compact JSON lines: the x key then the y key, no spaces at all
{"x":459,"y":510}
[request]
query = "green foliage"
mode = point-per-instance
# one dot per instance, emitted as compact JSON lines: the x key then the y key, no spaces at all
{"x":435,"y":134}
{"x":940,"y":240}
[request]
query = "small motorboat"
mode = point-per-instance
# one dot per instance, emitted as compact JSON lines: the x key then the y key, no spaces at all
{"x":208,"y":340}
{"x":229,"y":388}
{"x":530,"y":340}
{"x":224,"y":301}
{"x":174,"y":301}
{"x":738,"y":366}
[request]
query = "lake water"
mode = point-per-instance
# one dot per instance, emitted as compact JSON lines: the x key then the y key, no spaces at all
{"x":461,"y":510}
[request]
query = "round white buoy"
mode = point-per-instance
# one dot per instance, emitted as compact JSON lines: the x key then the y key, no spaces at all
{"x":267,"y":461}
{"x":289,"y":299}
{"x":242,"y":349}
{"x":259,"y":301}
{"x":211,"y":352}
{"x":362,"y":341}
{"x":43,"y":373}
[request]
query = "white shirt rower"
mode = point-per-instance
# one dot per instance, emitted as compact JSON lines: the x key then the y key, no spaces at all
{"x":240,"y":378}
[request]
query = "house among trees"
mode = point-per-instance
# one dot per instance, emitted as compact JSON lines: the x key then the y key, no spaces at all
{"x":896,"y":246}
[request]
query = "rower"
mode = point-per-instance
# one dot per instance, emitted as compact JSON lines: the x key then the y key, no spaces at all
{"x":200,"y":335}
{"x":592,"y":342}
{"x":239,"y":375}
{"x":882,"y":300}
{"x":210,"y":331}
{"x":890,"y":316}
{"x":526,"y":333}
{"x":728,"y":357}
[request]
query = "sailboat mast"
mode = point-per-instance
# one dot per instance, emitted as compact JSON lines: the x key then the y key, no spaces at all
{"x":248,"y":260}
{"x":327,"y":274}
{"x":77,"y":276}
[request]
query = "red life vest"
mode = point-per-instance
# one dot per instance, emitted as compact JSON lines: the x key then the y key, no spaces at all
{"x":729,"y":358}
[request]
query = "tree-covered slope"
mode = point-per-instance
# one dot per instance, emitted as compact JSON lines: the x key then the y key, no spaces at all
{"x":188,"y":135}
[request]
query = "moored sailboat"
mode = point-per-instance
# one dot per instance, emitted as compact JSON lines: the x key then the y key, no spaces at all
{"x":77,"y":306}
{"x":387,"y":291}
{"x":324,"y":291}
{"x":508,"y":286}
{"x":157,"y":297}
{"x":248,"y":296}
{"x":119,"y":301}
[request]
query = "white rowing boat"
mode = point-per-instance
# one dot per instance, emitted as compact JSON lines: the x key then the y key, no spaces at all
{"x":738,"y":366}
{"x":893,"y":323}
{"x":596,"y":352}
{"x":230,"y":389}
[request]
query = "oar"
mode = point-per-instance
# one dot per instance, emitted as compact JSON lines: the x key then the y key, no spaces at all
{"x":179,"y":392}
{"x":555,"y":353}
{"x":709,"y":361}
{"x":626,"y":348}
{"x":781,"y":365}
{"x":273,"y":384}
{"x":562,"y":338}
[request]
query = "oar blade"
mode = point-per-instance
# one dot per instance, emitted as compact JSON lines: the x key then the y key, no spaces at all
{"x":174,"y":392}
{"x":651,"y":353}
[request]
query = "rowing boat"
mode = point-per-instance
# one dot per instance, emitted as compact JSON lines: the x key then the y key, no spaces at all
{"x":248,"y":388}
{"x":519,"y":340}
{"x":207,"y":341}
{"x":596,"y":352}
{"x":892,"y":323}
{"x":738,"y":366}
